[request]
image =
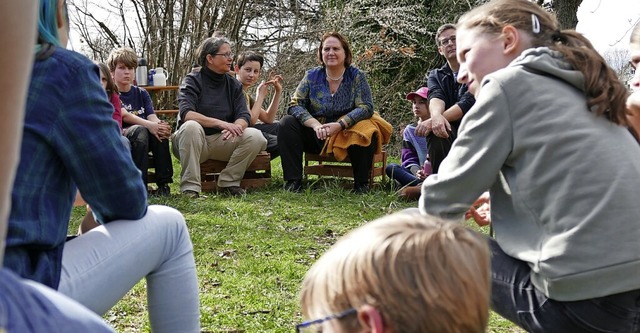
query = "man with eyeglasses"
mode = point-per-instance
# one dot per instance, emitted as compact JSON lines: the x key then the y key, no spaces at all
{"x":213,"y":122}
{"x":448,"y":99}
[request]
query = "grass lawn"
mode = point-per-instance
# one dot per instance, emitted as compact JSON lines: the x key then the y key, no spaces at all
{"x":252,"y":252}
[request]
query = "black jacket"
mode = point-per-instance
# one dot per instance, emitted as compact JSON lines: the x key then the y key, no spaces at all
{"x":443,"y":85}
{"x":214,"y":95}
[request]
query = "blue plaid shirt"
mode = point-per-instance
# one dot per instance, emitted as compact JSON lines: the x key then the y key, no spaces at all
{"x":69,"y":138}
{"x":313,"y":98}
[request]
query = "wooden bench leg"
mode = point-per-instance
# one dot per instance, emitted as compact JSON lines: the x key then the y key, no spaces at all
{"x":315,"y":164}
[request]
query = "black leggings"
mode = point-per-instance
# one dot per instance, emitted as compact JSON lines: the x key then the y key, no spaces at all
{"x":294,"y":139}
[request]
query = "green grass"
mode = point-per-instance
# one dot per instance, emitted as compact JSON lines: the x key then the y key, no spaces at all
{"x":252,"y":252}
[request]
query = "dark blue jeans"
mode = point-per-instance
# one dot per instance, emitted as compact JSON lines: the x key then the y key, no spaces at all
{"x":401,"y":175}
{"x":515,"y":298}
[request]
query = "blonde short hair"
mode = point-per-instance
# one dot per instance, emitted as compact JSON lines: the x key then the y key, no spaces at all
{"x":124,"y":55}
{"x":423,"y":274}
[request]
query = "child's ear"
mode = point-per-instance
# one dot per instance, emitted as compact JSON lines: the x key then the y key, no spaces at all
{"x":510,"y":39}
{"x":236,"y":69}
{"x":60,"y":14}
{"x":370,"y":319}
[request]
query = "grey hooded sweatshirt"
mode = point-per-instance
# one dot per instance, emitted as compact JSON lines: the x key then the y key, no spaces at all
{"x":564,"y":183}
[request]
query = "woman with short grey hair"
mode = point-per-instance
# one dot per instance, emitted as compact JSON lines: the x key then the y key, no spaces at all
{"x":213,"y":122}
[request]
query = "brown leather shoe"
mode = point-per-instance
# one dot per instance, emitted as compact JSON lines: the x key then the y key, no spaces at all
{"x":235,"y":191}
{"x":411,"y":193}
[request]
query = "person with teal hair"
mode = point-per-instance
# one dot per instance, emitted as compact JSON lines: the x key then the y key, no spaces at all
{"x":69,"y":143}
{"x":26,"y":306}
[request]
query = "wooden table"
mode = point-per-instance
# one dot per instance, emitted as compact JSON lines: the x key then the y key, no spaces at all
{"x":160,"y":88}
{"x":155,"y":89}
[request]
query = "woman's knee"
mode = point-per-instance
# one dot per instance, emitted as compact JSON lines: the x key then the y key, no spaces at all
{"x":254,"y":137}
{"x":287,"y":121}
{"x":191,"y":128}
{"x":288,"y":126}
{"x":170,"y":225}
{"x":188,"y":133}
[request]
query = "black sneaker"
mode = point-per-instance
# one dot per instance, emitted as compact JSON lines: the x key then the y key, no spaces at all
{"x":163,"y":190}
{"x":293,"y":186}
{"x":190,"y":194}
{"x":235,"y":191}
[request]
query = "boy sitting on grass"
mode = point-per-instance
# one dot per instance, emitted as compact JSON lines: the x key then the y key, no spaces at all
{"x":415,"y":165}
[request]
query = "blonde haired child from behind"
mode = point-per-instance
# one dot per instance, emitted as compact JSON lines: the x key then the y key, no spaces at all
{"x":405,"y":273}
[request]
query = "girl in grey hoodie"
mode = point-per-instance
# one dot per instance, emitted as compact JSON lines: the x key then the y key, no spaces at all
{"x":548,"y":138}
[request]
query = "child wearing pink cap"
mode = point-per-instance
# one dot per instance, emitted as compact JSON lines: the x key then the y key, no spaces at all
{"x":415,"y":165}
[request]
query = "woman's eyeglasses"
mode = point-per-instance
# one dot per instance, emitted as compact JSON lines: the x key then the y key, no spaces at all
{"x":313,"y":326}
{"x":227,"y":55}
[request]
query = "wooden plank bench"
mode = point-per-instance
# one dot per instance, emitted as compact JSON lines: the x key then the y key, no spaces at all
{"x":258,"y":173}
{"x":314,"y":164}
{"x":168,"y":113}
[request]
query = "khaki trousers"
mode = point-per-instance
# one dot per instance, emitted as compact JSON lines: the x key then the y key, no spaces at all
{"x":192,"y":147}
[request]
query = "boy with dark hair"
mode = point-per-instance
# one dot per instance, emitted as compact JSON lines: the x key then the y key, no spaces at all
{"x":141,"y":125}
{"x":248,"y":67}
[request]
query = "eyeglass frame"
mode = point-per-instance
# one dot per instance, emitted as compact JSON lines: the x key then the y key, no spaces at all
{"x":329,"y":317}
{"x":445,"y":41}
{"x":228,"y":55}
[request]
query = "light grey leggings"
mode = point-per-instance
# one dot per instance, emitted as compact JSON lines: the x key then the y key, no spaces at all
{"x":101,"y":266}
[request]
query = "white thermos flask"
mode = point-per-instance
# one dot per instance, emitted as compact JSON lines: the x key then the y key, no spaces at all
{"x":141,"y":72}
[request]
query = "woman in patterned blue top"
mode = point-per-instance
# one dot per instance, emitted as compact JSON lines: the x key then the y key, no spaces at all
{"x":329,"y":99}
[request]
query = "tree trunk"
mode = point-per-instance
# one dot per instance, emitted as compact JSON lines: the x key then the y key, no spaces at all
{"x":566,"y":12}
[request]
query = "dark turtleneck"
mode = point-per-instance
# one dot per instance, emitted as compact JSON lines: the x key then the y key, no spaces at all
{"x":213,"y":95}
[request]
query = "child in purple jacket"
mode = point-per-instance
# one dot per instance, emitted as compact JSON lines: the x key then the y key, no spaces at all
{"x":415,"y":165}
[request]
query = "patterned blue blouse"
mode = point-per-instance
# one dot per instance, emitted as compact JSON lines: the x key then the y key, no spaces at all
{"x":313,"y":99}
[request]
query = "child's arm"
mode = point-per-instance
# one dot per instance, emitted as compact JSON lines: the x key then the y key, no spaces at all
{"x":155,"y":128}
{"x":88,"y":222}
{"x":269,"y":116}
{"x":408,"y":153}
{"x":257,"y":110}
{"x":480,"y":211}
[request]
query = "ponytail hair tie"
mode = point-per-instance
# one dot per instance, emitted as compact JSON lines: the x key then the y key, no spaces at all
{"x":558,"y":37}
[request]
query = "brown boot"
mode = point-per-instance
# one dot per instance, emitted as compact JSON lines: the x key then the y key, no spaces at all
{"x":411,"y":193}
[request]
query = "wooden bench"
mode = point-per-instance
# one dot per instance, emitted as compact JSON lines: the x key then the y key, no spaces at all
{"x":168,"y":113}
{"x":315,"y":164}
{"x":258,"y":173}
